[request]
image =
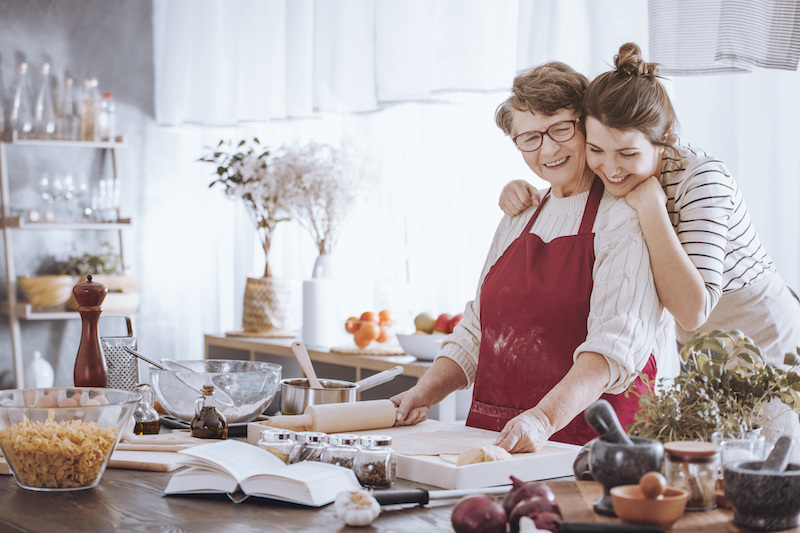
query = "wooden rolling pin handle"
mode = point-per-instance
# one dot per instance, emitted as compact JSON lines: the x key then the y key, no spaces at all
{"x":292,"y":422}
{"x":353,"y":416}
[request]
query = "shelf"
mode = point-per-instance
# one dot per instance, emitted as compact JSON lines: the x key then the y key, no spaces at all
{"x":10,"y":137}
{"x":18,"y":222}
{"x":26,"y":311}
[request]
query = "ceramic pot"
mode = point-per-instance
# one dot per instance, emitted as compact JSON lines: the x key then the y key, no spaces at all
{"x":270,"y":305}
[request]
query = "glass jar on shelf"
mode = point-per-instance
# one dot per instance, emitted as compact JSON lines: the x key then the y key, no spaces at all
{"x":279,"y":442}
{"x":309,"y":446}
{"x":694,"y":466}
{"x":341,"y":450}
{"x":375,"y":463}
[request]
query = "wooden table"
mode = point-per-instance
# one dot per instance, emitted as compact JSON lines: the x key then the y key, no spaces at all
{"x":128,"y":500}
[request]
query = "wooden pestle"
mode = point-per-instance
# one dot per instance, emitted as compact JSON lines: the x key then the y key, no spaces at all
{"x":339,"y":417}
{"x":603,"y":419}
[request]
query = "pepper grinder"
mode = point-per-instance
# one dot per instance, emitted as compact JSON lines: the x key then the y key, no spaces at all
{"x":90,"y":365}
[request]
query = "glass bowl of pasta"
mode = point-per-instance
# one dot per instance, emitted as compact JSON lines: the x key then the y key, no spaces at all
{"x":61,"y":438}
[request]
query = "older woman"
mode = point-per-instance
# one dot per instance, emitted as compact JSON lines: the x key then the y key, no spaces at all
{"x":566,"y":310}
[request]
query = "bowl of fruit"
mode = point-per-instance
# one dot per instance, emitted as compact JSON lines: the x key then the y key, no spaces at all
{"x":371,"y":327}
{"x":426,"y":341}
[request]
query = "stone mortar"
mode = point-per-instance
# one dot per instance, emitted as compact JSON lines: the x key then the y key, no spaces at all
{"x":763,"y":500}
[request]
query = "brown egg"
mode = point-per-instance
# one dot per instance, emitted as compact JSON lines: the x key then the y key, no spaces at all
{"x":68,"y":402}
{"x":101,"y":400}
{"x":46,"y":401}
{"x":91,"y":401}
{"x":653,"y":485}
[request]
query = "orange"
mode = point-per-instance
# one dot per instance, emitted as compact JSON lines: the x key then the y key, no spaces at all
{"x":385,"y":316}
{"x":352,"y":325}
{"x":386,"y":333}
{"x":369,"y":316}
{"x":368,"y":332}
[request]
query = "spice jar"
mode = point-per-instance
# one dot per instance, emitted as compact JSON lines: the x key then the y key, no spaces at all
{"x":375,"y":463}
{"x":309,"y":446}
{"x":694,"y":466}
{"x":278,"y":442}
{"x":341,"y":450}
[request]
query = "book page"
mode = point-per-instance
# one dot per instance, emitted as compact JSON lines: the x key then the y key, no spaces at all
{"x":200,"y":479}
{"x":238,"y":459}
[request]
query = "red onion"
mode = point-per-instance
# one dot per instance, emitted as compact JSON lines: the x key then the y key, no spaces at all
{"x":479,"y":514}
{"x":521,"y":490}
{"x":545,"y":514}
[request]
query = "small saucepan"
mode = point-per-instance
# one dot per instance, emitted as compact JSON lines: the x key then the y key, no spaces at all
{"x":297,"y":394}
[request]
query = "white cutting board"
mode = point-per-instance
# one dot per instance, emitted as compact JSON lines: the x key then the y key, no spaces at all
{"x":426,"y":453}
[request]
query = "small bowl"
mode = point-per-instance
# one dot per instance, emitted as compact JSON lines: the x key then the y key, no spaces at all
{"x":61,"y":438}
{"x":251,"y":385}
{"x":422,"y":345}
{"x":632,"y":506}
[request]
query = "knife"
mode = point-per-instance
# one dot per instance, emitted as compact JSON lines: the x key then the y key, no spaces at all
{"x":423,"y":496}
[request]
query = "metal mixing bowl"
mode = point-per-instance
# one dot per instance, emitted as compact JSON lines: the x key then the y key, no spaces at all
{"x":249,"y":385}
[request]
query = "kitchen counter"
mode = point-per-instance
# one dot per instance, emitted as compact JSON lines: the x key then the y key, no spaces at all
{"x":338,"y":366}
{"x":128,"y":500}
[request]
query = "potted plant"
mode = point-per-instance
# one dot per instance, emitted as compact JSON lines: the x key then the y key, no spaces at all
{"x":723,"y":387}
{"x":106,"y":268}
{"x":242,"y":170}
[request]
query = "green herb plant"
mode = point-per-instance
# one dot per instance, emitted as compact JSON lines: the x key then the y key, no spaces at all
{"x":106,"y":262}
{"x":723,"y":386}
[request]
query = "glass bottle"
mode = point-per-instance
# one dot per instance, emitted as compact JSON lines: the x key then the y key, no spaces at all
{"x":310,"y":445}
{"x":21,"y":117}
{"x":107,"y":118}
{"x":145,"y":415}
{"x":90,"y":106}
{"x":278,"y":442}
{"x":208,"y":423}
{"x":44,"y":114}
{"x":341,"y":450}
{"x":68,"y":121}
{"x":694,"y":466}
{"x":375,"y":464}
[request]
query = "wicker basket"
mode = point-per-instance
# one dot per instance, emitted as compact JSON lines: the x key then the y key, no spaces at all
{"x":271,"y":304}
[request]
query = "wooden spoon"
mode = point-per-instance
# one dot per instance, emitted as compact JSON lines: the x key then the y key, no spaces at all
{"x":301,"y":354}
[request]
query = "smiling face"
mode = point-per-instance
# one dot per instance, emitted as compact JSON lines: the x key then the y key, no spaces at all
{"x":622,"y":159}
{"x":562,"y":164}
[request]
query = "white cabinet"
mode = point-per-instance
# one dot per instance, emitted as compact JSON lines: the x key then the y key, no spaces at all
{"x":11,"y":223}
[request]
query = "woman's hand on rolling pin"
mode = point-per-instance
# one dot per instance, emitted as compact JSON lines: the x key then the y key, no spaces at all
{"x":526,"y":432}
{"x":412,"y":406}
{"x":517,"y":196}
{"x":647,"y":196}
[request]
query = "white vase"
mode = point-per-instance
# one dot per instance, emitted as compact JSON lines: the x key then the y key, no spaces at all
{"x":321,"y":324}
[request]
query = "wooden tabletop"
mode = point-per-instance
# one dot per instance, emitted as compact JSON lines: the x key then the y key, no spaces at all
{"x":129,"y":500}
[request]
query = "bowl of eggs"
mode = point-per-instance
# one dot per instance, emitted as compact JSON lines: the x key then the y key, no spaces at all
{"x":61,"y":438}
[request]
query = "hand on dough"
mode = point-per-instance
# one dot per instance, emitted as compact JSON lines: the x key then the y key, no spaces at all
{"x":526,"y":432}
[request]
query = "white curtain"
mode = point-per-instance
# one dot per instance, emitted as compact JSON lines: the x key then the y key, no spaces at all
{"x":416,"y":83}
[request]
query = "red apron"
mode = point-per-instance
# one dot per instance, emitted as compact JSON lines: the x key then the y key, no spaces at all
{"x":534,"y":312}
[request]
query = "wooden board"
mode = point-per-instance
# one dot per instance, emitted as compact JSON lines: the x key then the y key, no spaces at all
{"x":130,"y":460}
{"x":426,"y":454}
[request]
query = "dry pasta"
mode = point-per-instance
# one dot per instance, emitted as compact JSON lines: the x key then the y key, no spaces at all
{"x":54,"y":454}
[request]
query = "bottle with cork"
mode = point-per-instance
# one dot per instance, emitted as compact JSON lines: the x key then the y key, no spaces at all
{"x":208,"y":422}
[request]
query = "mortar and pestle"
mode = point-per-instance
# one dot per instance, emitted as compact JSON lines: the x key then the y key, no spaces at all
{"x":765,"y":495}
{"x":615,"y":458}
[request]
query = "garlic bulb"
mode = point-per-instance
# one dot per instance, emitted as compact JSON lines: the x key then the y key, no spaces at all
{"x":356,"y":508}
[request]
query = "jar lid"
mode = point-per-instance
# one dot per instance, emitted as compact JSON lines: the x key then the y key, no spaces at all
{"x":692,"y":449}
{"x":342,"y":439}
{"x":310,"y":436}
{"x":276,"y":434}
{"x":376,"y":440}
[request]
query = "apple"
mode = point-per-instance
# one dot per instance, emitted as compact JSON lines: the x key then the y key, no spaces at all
{"x":424,"y":322}
{"x":451,"y":325}
{"x":442,"y":323}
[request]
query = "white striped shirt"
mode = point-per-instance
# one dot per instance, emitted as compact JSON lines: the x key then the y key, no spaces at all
{"x":709,"y":215}
{"x":626,"y":320}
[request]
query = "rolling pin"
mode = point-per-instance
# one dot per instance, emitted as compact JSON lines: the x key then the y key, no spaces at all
{"x":339,"y":417}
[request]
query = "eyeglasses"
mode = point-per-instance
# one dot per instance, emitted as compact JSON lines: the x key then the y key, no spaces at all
{"x":560,"y":132}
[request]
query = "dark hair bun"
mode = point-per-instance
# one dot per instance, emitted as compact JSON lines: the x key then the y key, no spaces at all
{"x":629,"y":62}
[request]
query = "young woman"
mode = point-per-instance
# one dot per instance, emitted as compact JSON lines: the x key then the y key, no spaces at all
{"x":710,"y":268}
